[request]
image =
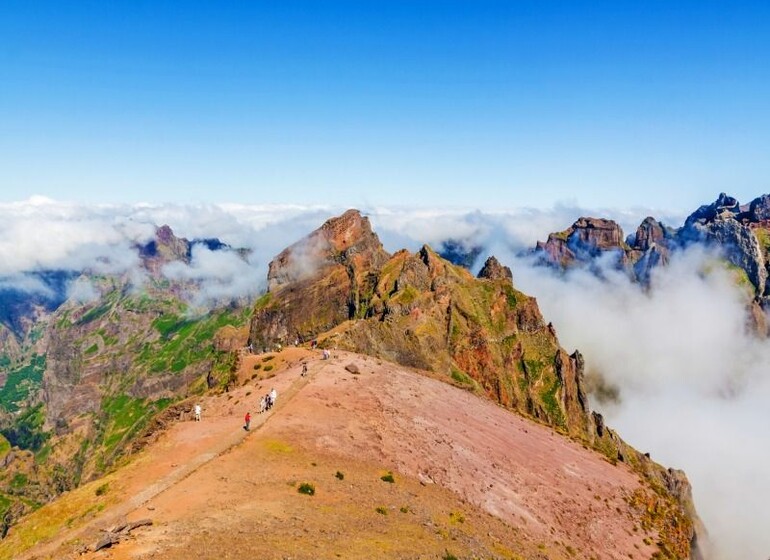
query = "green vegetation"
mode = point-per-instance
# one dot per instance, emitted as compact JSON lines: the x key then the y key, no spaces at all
{"x":306,"y":488}
{"x":102,"y":489}
{"x":461,"y":377}
{"x":339,"y":475}
{"x":19,"y":481}
{"x":382,"y":510}
{"x":93,"y":349}
{"x":185,"y":341}
{"x":263,"y":301}
{"x":21,"y":382}
{"x":94,"y":313}
{"x":5,"y":446}
{"x":388,"y":478}
{"x":125,"y":416}
{"x":26,"y":431}
{"x":448,"y":556}
{"x":548,"y":396}
{"x":5,"y":361}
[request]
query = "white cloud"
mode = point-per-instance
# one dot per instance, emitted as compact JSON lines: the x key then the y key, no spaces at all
{"x":694,"y":382}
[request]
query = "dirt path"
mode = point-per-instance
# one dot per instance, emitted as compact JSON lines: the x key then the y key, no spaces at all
{"x":189,"y":445}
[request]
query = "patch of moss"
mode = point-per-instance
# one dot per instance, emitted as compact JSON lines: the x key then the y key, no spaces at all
{"x":548,"y":397}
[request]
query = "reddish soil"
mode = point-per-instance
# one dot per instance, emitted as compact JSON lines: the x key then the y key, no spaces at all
{"x":470,"y":478}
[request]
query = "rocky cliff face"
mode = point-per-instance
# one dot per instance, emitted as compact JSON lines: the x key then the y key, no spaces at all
{"x":740,"y":232}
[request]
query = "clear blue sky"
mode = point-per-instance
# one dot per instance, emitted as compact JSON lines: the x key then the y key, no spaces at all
{"x":476,"y":104}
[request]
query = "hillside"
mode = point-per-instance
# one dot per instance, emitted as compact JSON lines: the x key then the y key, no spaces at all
{"x":470,"y":479}
{"x":82,"y":378}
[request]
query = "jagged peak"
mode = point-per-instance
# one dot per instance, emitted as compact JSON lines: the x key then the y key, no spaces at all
{"x":724,"y":206}
{"x":347,"y":239}
{"x":494,"y":270}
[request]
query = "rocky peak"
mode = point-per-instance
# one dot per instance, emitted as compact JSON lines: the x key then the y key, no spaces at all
{"x":585,"y":240}
{"x":493,"y":270}
{"x":163,"y":249}
{"x":759,"y":209}
{"x":724,"y":206}
{"x":649,"y":233}
{"x":347,"y":239}
{"x":598,"y":232}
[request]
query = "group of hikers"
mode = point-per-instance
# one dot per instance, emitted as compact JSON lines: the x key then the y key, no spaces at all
{"x":265,"y":404}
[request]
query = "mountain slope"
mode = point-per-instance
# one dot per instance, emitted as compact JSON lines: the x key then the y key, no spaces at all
{"x":421,"y":311}
{"x":469,"y":478}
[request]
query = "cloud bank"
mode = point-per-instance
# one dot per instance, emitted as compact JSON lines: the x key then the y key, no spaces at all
{"x":693,"y":382}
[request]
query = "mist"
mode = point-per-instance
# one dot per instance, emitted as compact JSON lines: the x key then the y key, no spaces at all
{"x":693,"y":382}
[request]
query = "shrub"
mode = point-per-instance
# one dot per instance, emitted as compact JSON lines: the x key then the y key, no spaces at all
{"x":268,"y":368}
{"x":306,"y":488}
{"x":448,"y":556}
{"x":102,"y":490}
{"x":388,"y":478}
{"x":340,"y":475}
{"x":382,"y":510}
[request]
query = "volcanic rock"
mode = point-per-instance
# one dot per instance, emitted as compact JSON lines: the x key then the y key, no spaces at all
{"x":493,"y":270}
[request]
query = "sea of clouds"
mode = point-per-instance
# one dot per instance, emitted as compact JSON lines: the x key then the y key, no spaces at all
{"x":693,"y":384}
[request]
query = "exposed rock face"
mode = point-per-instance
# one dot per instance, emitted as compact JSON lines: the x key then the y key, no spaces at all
{"x":583,"y":242}
{"x":759,"y":209}
{"x":493,"y":270}
{"x":741,"y":247}
{"x":742,"y":233}
{"x":322,"y":280}
{"x":165,"y":248}
{"x":650,"y":233}
{"x":347,"y":240}
{"x":723,"y":205}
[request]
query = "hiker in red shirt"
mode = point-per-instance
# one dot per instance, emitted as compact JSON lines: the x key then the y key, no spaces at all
{"x":247,"y":421}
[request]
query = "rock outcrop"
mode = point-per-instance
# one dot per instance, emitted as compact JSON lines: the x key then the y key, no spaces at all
{"x":741,"y":233}
{"x":493,"y":270}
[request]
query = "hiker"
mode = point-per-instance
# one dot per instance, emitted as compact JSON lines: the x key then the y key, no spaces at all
{"x":273,"y":396}
{"x":263,"y":404}
{"x":326,"y":354}
{"x":197,"y":413}
{"x":304,"y":369}
{"x":247,"y":421}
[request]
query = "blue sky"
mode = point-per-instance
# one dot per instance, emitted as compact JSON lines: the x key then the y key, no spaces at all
{"x":467,"y":104}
